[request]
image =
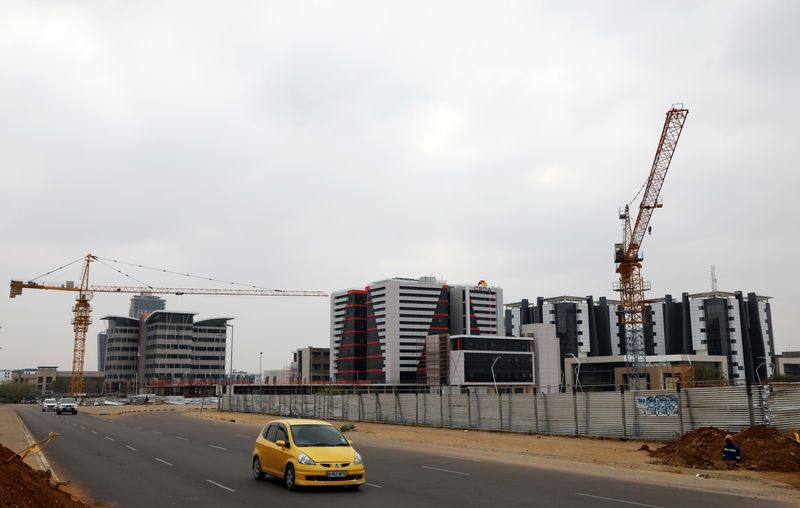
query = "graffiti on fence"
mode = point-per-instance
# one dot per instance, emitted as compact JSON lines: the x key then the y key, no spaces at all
{"x":658,"y":405}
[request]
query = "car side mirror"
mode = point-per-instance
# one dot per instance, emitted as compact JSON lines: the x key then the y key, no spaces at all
{"x":281,"y":443}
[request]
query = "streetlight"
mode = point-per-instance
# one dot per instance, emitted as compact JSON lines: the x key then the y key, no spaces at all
{"x":493,"y":378}
{"x":231,"y":325}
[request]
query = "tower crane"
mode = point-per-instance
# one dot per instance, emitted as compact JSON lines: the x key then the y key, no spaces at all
{"x":83,"y":309}
{"x":627,"y":254}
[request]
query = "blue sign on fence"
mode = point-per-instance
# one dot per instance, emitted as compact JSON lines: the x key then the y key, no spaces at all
{"x":658,"y":405}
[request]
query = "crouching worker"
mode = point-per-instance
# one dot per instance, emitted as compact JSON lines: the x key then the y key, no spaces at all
{"x":731,"y":453}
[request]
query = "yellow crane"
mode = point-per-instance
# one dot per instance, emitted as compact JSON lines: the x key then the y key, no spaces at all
{"x":83,"y":309}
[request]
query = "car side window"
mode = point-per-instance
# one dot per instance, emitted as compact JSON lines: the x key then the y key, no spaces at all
{"x":271,"y":433}
{"x":281,"y":435}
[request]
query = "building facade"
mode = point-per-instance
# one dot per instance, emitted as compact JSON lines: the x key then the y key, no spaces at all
{"x":145,"y":304}
{"x":378,"y":333}
{"x":718,"y":323}
{"x":163,"y":346}
{"x":102,"y":340}
{"x":311,"y":365}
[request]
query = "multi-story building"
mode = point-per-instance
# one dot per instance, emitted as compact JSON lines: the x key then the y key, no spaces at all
{"x":102,"y":339}
{"x":145,"y":304}
{"x":5,"y":375}
{"x":713,"y":324}
{"x":163,"y":345}
{"x":313,"y":365}
{"x":45,"y":379}
{"x":378,"y":333}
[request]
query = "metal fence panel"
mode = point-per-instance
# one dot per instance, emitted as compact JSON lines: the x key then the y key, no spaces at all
{"x":784,"y":409}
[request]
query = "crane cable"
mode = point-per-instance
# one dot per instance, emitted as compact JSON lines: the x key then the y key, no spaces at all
{"x":122,"y":273}
{"x":163,"y":270}
{"x":57,"y":269}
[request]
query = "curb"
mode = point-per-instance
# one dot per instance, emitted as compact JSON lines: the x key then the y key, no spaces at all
{"x":40,"y":455}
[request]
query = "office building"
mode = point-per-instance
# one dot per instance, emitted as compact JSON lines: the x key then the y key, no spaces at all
{"x":145,"y":304}
{"x":718,"y":323}
{"x":378,"y":333}
{"x":311,"y":365}
{"x":163,"y":346}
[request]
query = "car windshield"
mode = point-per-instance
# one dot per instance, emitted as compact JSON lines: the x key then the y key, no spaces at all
{"x":67,"y":400}
{"x":318,"y":435}
{"x":49,"y":401}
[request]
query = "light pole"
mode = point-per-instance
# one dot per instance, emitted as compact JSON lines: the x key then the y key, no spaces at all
{"x":260,"y":373}
{"x":493,"y":378}
{"x":231,"y":326}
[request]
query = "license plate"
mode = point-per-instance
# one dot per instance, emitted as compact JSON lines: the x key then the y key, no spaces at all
{"x":337,"y":474}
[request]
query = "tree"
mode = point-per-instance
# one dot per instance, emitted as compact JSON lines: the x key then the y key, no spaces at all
{"x":16,"y":392}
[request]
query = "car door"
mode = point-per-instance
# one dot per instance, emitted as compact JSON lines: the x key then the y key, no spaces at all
{"x":281,"y":454}
{"x":267,"y":448}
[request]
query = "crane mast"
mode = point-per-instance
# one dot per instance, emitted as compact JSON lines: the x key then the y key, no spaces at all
{"x":627,"y":256}
{"x":82,"y":309}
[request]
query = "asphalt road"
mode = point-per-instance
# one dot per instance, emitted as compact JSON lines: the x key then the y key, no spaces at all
{"x":169,"y":459}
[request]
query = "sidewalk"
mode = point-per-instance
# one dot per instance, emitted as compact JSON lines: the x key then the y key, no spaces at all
{"x":12,"y":435}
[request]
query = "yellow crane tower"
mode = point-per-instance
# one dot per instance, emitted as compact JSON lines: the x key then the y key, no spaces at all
{"x":83,"y":309}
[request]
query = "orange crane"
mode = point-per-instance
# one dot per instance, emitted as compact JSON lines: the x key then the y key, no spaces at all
{"x":627,"y":256}
{"x":83,"y":309}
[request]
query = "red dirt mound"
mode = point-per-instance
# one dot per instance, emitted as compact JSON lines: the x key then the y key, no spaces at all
{"x":763,"y":449}
{"x":23,"y":487}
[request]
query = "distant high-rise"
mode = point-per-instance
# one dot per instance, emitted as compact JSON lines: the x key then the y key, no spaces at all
{"x":102,"y":340}
{"x":144,"y":303}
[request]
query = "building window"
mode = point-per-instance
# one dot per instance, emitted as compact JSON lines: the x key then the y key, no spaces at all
{"x":702,"y":319}
{"x":703,"y":330}
{"x":731,"y":329}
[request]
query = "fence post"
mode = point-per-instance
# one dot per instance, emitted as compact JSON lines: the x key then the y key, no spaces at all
{"x":394,"y":392}
{"x":680,"y":412}
{"x":469,"y":409}
{"x":441,"y":408}
{"x":536,"y":411}
{"x":500,"y":408}
{"x":575,"y":407}
{"x":416,"y":408}
{"x":377,"y":408}
{"x":622,"y":408}
{"x":360,"y":406}
{"x":750,"y":403}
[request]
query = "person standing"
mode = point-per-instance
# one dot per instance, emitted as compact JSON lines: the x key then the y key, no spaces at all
{"x":731,"y":453}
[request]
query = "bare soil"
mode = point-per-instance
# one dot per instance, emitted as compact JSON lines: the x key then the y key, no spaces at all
{"x":23,"y":487}
{"x":762,"y":448}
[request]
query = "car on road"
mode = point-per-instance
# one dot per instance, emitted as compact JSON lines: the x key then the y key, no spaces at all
{"x":67,"y":405}
{"x":307,"y":453}
{"x":49,"y":405}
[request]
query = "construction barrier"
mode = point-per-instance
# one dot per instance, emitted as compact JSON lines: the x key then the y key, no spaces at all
{"x":651,"y":414}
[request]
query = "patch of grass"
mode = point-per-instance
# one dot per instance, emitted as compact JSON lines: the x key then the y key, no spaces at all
{"x":346,"y":427}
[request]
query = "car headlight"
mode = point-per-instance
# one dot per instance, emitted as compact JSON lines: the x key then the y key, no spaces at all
{"x":357,"y":459}
{"x":305,"y":459}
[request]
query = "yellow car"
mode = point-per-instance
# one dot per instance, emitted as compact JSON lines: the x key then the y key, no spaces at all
{"x":307,"y":452}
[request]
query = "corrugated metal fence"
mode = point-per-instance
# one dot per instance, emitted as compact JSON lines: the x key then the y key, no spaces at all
{"x":652,"y":414}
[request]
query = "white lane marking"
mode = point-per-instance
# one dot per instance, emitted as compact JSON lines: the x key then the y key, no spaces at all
{"x":162,"y":461}
{"x":373,"y":485}
{"x":94,"y":432}
{"x":156,"y":432}
{"x":138,"y":428}
{"x":181,"y":438}
{"x":131,"y":448}
{"x":242,"y":435}
{"x":617,"y":500}
{"x":83,"y":428}
{"x":221,"y":486}
{"x":110,"y":438}
{"x":445,"y":470}
{"x":218,"y":448}
{"x":106,"y":420}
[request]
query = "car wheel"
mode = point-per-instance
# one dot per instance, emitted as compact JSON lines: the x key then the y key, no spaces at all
{"x":258,"y":474}
{"x":58,"y":412}
{"x":288,"y":478}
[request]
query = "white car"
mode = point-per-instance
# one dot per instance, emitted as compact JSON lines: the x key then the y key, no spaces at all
{"x":67,"y":405}
{"x":49,"y":405}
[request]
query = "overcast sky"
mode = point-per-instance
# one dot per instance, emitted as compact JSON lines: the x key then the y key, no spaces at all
{"x":325,"y":145}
